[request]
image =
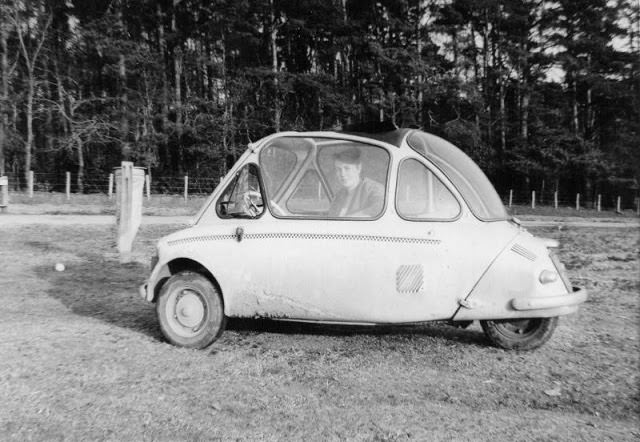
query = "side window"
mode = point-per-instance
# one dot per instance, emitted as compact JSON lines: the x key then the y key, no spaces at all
{"x":356,"y":175}
{"x":309,"y":196}
{"x":324,"y":178}
{"x":243,"y":197}
{"x":422,"y":196}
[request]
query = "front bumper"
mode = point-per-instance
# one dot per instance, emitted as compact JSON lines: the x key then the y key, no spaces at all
{"x":578,"y":296}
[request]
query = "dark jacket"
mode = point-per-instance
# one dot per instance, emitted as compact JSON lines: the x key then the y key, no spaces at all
{"x":367,"y":201}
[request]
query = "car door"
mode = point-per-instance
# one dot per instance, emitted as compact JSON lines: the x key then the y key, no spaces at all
{"x":306,"y":258}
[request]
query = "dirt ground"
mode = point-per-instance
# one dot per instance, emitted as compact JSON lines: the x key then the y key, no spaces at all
{"x":82,"y":358}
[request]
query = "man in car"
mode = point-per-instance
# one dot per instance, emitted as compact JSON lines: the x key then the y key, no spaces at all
{"x":358,"y":196}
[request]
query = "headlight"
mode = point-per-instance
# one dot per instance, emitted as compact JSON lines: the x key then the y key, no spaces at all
{"x":548,"y":276}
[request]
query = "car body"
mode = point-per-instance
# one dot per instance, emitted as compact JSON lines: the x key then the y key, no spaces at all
{"x":392,"y":227}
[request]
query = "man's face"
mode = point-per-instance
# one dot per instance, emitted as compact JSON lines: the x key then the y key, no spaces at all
{"x":348,"y":174}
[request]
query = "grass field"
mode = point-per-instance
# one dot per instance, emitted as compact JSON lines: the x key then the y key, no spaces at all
{"x":51,"y":203}
{"x":82,"y":358}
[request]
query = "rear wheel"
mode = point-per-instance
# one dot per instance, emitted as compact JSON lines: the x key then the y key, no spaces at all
{"x":519,"y":334}
{"x":190,"y":310}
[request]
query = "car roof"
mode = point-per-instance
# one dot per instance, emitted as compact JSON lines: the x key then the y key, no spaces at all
{"x":384,"y":131}
{"x":394,"y":137}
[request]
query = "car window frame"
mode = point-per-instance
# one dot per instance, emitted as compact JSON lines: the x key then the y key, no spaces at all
{"x":387,"y":183}
{"x":426,"y":155}
{"x":222,"y":193}
{"x":445,"y":183}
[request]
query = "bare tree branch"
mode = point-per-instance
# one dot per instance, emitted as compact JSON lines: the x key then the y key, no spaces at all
{"x":25,"y":53}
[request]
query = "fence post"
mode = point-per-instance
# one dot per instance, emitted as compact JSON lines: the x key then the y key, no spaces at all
{"x":4,"y":193}
{"x":110,"y":193}
{"x":186,"y":188}
{"x":638,"y":206}
{"x":510,"y":197}
{"x":129,"y":194}
{"x":147,"y":185}
{"x":533,"y":199}
{"x":599,"y":202}
{"x":68,"y":185}
{"x":30,"y":183}
{"x":618,"y":205}
{"x":555,"y":200}
{"x":577,"y":201}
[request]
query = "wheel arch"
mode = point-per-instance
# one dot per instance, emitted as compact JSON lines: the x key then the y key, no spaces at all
{"x":177,"y":265}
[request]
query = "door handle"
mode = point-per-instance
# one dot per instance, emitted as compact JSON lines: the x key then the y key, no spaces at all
{"x":239,"y":233}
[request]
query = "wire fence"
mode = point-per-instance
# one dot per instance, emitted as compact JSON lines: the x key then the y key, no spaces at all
{"x":577,"y":201}
{"x":104,"y":184}
{"x":186,"y":186}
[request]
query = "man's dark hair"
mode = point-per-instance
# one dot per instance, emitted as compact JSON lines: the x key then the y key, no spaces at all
{"x":351,"y":155}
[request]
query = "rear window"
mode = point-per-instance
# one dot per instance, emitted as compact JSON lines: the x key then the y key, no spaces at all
{"x":466,"y":176}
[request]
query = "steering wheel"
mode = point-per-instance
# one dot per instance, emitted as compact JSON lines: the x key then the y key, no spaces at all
{"x":250,"y":198}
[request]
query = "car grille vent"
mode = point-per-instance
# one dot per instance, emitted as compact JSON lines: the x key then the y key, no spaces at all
{"x":524,"y":252}
{"x":409,"y":278}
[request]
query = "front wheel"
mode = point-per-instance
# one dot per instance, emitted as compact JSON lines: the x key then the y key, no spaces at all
{"x":190,"y":310}
{"x":519,"y":334}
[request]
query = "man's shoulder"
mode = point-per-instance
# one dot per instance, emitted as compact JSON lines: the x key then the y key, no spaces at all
{"x":371,"y":185}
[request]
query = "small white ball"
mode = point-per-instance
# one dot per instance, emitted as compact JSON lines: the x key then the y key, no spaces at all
{"x":59,"y":267}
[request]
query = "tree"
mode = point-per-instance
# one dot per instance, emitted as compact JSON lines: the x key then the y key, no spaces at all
{"x":31,"y":40}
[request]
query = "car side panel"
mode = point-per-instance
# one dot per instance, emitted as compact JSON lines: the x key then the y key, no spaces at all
{"x":343,"y":271}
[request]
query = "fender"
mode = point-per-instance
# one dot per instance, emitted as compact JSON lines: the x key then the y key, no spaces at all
{"x":161,"y":272}
{"x":512,"y":286}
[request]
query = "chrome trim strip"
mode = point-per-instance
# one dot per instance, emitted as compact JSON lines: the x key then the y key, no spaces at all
{"x":321,"y":236}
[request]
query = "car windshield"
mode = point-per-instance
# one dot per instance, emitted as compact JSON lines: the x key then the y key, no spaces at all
{"x":324,"y":178}
{"x":466,"y":176}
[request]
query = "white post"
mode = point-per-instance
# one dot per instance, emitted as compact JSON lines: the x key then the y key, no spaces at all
{"x":4,"y":193}
{"x":533,"y":199}
{"x":638,"y":206}
{"x":110,"y":185}
{"x":599,"y":202}
{"x":618,"y":205}
{"x":147,"y":185}
{"x":577,"y":201}
{"x":510,"y":197}
{"x":555,"y":200}
{"x":186,"y":188}
{"x":30,"y":183}
{"x":68,"y":185}
{"x":129,"y":190}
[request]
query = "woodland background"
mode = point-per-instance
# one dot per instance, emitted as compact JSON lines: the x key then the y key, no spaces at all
{"x":544,"y":95}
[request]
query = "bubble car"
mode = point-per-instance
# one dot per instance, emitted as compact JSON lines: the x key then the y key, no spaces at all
{"x":388,"y":227}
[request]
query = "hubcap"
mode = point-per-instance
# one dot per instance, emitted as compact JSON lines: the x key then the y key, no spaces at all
{"x":190,"y":309}
{"x":519,"y":327}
